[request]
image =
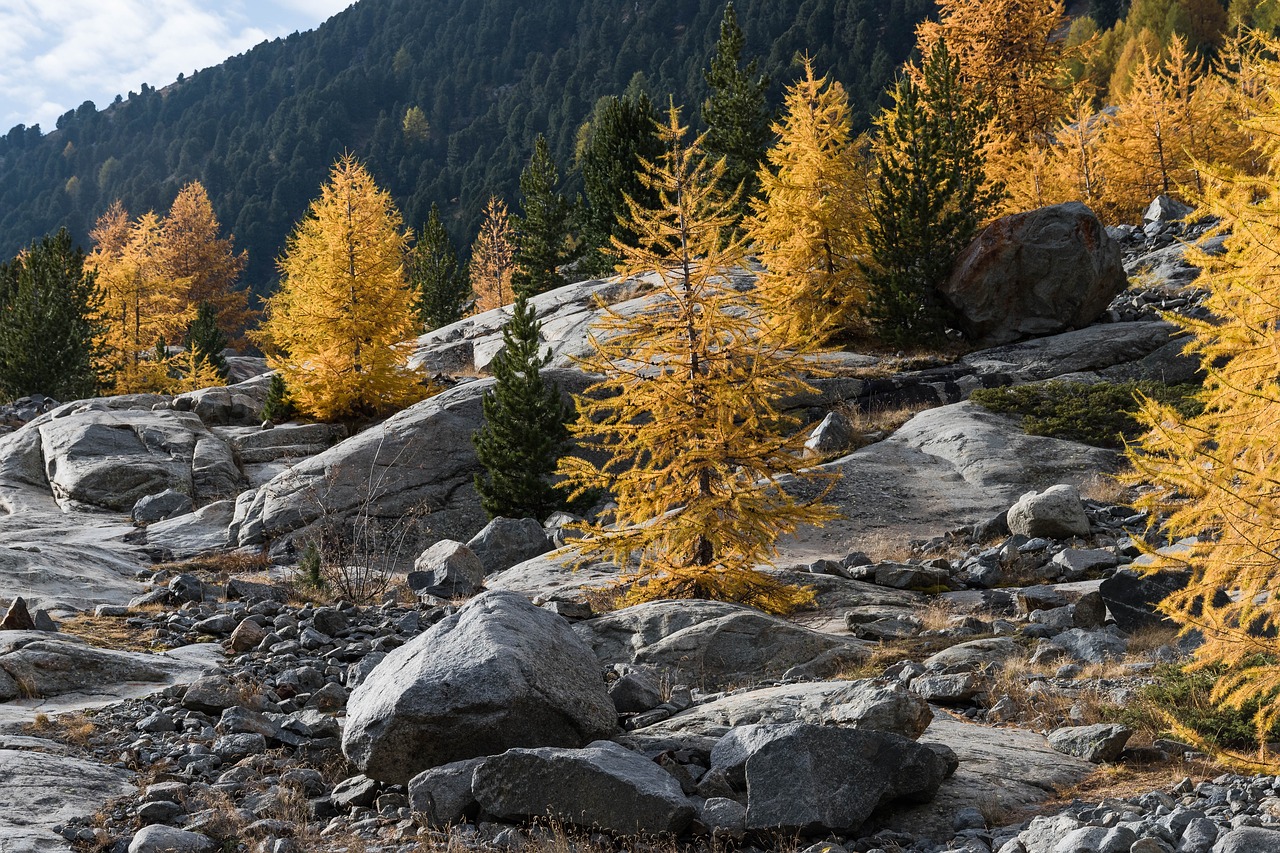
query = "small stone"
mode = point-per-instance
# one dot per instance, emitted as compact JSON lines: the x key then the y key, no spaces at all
{"x":158,"y":507}
{"x":160,"y":811}
{"x":355,"y":792}
{"x":246,"y":636}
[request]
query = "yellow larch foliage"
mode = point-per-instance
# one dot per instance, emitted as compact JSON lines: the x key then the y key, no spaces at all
{"x":337,"y":328}
{"x":1217,"y":474}
{"x":687,"y":411}
{"x":192,"y":248}
{"x":1165,"y":128}
{"x":140,"y":307}
{"x":493,"y":258}
{"x":1010,"y":53}
{"x":806,"y":219}
{"x":195,"y":373}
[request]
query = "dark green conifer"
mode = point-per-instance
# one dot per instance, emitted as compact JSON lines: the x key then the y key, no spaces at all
{"x":48,"y":334}
{"x":735,"y":114}
{"x":524,"y":432}
{"x":542,"y":230}
{"x":442,"y":284}
{"x":278,"y":408}
{"x":619,"y":133}
{"x":207,"y":341}
{"x":931,"y":195}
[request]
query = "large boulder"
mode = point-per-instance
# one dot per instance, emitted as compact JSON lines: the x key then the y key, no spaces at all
{"x":1132,"y":598}
{"x":814,"y":780}
{"x":102,"y":458}
{"x":869,"y":705}
{"x":447,"y":569}
{"x":498,"y":674}
{"x":944,"y":468}
{"x":1098,"y":743}
{"x":418,"y":465}
{"x":604,"y":786}
{"x":1035,"y":273}
{"x":504,"y":542}
{"x":713,"y":643}
{"x":43,"y":790}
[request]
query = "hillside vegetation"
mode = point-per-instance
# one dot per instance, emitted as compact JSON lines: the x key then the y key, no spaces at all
{"x":442,"y":99}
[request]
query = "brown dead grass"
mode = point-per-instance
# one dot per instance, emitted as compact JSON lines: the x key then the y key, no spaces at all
{"x":220,"y":564}
{"x":72,"y":729}
{"x":885,"y":546}
{"x":107,"y":632}
{"x":878,"y":422}
{"x":1104,"y":488}
{"x":1121,"y":781}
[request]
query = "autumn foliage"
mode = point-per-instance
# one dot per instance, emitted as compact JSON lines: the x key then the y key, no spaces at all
{"x":336,"y":329}
{"x":1215,"y":474}
{"x":154,"y":273}
{"x":808,"y":217}
{"x":687,"y":412}
{"x":493,"y":258}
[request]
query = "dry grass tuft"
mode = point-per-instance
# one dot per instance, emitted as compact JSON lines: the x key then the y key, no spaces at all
{"x":106,"y":632}
{"x":1104,"y":488}
{"x":224,"y":563}
{"x":1121,"y":781}
{"x":1144,"y":641}
{"x":227,"y":822}
{"x":877,"y":422}
{"x":884,"y":546}
{"x":72,"y":729}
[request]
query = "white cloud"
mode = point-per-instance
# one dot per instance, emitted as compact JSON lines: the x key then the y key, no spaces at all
{"x":60,"y":55}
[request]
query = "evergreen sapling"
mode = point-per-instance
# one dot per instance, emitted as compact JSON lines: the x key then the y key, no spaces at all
{"x":525,"y":426}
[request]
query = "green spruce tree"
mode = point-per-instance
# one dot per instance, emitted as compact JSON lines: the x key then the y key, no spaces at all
{"x":542,"y":231}
{"x":931,"y":196}
{"x":441,"y":283}
{"x":735,"y":114}
{"x":207,"y":340}
{"x":525,"y":426}
{"x":278,"y":407}
{"x":619,"y":133}
{"x":48,"y":330}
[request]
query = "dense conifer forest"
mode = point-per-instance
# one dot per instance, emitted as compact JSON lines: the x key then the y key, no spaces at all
{"x":442,"y":99}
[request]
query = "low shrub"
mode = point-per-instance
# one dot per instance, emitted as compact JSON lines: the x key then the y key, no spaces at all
{"x":1180,"y":698}
{"x":1098,"y":414}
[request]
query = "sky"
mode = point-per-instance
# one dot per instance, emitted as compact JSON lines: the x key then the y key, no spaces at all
{"x":57,"y":54}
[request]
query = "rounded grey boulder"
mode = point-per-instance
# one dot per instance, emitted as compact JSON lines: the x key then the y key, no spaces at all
{"x":1055,"y":513}
{"x":500,"y":673}
{"x":166,"y":839}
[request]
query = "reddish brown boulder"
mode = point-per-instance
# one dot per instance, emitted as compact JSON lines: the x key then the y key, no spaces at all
{"x":1035,"y":273}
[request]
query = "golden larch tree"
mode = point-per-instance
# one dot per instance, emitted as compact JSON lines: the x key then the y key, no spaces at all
{"x":806,"y":220}
{"x":1009,"y":52}
{"x":1163,"y":129}
{"x":687,"y":412}
{"x":141,"y":307}
{"x":1217,"y":474}
{"x":493,"y":258}
{"x":337,"y":329}
{"x":192,"y":248}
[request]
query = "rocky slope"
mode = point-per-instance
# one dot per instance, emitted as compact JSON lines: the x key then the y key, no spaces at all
{"x":973,"y":613}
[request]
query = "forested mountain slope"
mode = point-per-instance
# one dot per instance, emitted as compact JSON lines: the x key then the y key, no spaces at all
{"x":262,"y":129}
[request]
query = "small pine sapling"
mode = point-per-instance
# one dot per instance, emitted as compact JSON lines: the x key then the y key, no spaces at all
{"x":524,"y":433}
